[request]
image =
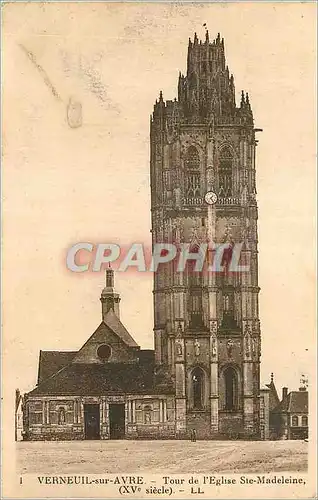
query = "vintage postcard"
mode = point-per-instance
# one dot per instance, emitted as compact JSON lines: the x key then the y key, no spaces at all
{"x":158,"y":250}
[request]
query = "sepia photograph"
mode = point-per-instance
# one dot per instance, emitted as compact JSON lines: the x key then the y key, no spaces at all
{"x":158,"y":249}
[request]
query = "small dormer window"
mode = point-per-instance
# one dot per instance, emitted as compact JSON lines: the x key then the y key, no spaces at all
{"x":104,"y":352}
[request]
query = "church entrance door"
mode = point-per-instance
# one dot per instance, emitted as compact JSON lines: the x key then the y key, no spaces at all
{"x":117,"y":421}
{"x":92,"y":421}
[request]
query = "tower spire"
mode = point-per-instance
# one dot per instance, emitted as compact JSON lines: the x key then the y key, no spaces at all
{"x":242,"y":98}
{"x":110,"y":277}
{"x":109,"y":298}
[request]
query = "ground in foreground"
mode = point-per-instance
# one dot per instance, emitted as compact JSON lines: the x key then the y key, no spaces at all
{"x":96,"y":457}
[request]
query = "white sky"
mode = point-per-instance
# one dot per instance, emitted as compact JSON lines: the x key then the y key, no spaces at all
{"x":63,"y":185}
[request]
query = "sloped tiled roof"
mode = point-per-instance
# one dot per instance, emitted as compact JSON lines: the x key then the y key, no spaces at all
{"x":113,"y":322}
{"x":60,"y":374}
{"x":51,"y":362}
{"x":146,"y":356}
{"x":273,"y":396}
{"x":95,"y":379}
{"x":116,"y":326}
{"x":294,"y":402}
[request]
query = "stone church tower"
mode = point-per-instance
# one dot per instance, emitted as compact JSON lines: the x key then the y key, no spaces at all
{"x":207,"y":331}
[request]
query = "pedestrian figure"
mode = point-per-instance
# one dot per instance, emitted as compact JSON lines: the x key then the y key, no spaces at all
{"x":194,"y":435}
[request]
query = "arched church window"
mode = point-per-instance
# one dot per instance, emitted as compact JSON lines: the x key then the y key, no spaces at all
{"x":192,"y":173}
{"x":228,"y":303}
{"x":225,"y":173}
{"x":196,"y":313}
{"x":194,"y":279}
{"x":198,"y":388}
{"x":192,"y":159}
{"x":61,"y":417}
{"x":194,"y":276}
{"x":231,"y":388}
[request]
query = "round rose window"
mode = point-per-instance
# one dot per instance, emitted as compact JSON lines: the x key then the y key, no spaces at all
{"x":104,"y":352}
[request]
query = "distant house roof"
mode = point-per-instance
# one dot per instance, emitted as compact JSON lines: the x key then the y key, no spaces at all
{"x":51,"y":362}
{"x":294,"y":402}
{"x":273,"y":396}
{"x":100,"y":379}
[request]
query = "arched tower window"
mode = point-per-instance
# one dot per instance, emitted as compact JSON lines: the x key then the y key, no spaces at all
{"x":231,"y":388}
{"x":225,"y":173}
{"x":228,"y":319}
{"x":198,"y":388}
{"x":196,"y":312}
{"x":195,"y":282}
{"x":192,"y":173}
{"x":192,"y":159}
{"x":194,"y":277}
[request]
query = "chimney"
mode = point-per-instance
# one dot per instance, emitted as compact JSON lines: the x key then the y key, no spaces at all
{"x":284,"y":392}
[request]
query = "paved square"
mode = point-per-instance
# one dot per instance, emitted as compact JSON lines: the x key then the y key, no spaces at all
{"x":98,"y":457}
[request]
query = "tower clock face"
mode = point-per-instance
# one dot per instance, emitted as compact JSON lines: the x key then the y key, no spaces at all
{"x":211,"y":198}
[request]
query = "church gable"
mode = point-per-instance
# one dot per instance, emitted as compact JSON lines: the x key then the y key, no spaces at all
{"x":107,"y":346}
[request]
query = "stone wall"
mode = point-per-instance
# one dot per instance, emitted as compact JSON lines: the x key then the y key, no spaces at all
{"x":231,"y":425}
{"x":150,"y":417}
{"x":200,"y":421}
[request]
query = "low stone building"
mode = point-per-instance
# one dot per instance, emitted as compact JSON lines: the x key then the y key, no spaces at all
{"x":107,"y":389}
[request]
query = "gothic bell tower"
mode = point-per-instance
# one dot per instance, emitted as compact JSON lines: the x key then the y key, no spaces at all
{"x":207,"y":332}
